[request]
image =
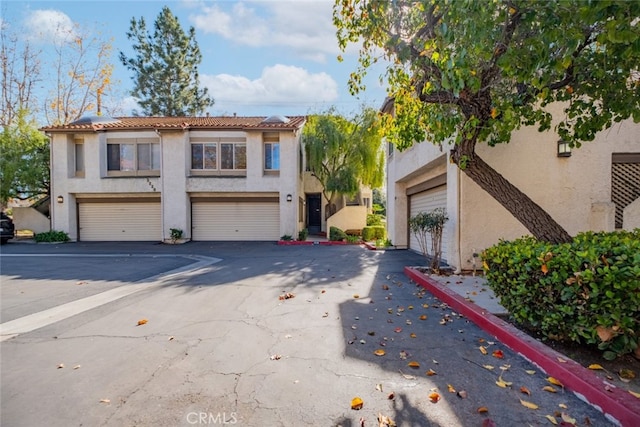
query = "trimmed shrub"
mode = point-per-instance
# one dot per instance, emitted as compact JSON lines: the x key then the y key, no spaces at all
{"x":374,"y":219}
{"x":286,"y":237}
{"x":375,"y":232}
{"x":585,"y":291}
{"x":336,"y":234}
{"x":51,"y":236}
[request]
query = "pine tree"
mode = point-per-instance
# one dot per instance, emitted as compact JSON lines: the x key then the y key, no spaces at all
{"x":166,"y":68}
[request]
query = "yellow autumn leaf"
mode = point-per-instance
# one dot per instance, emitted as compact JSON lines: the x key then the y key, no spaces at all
{"x":552,"y":420}
{"x":485,"y":265}
{"x":568,"y":419}
{"x":412,"y":335}
{"x":356,"y":403}
{"x":530,"y":372}
{"x":528,"y":404}
{"x":434,"y":397}
{"x":423,"y":317}
{"x":413,"y":364}
{"x":633,"y":393}
{"x":555,"y":382}
{"x":430,"y":373}
{"x":488,"y":367}
{"x":544,"y":269}
{"x":142,"y":322}
{"x":451,"y":388}
{"x":595,"y":367}
{"x":483,"y":410}
{"x":483,"y":350}
{"x":379,"y":352}
{"x":549,"y":389}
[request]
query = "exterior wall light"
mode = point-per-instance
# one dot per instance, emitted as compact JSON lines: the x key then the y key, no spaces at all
{"x":60,"y":199}
{"x":289,"y":197}
{"x":564,"y":149}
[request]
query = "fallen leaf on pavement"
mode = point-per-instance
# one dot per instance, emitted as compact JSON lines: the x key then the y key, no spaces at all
{"x":525,"y":390}
{"x":483,"y":410}
{"x":407,"y":376}
{"x":633,"y":393}
{"x":275,"y":357}
{"x":434,"y":397}
{"x":379,"y":352}
{"x":462,"y":394}
{"x":391,"y":396}
{"x":595,"y":367}
{"x":379,"y":387}
{"x":413,"y":335}
{"x":451,"y":388}
{"x":555,"y":381}
{"x":528,"y":404}
{"x":552,"y":419}
{"x":356,"y":403}
{"x":488,"y":367}
{"x":356,"y":296}
{"x":626,"y":375}
{"x":77,"y":367}
{"x":285,"y":296}
{"x":385,"y":287}
{"x":171,"y":338}
{"x":482,"y":349}
{"x":384,"y":421}
{"x":530,"y":372}
{"x":105,"y":401}
{"x":413,"y":364}
{"x":81,"y":283}
{"x":142,"y":322}
{"x":549,"y":389}
{"x":431,"y":373}
{"x":60,"y":366}
{"x":498,"y":354}
{"x":398,"y":329}
{"x":568,"y":419}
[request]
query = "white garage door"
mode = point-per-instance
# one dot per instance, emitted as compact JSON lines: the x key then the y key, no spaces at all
{"x":120,"y":221}
{"x":424,"y":202}
{"x":236,"y":220}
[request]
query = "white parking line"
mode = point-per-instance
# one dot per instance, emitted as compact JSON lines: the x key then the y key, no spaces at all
{"x":55,"y":314}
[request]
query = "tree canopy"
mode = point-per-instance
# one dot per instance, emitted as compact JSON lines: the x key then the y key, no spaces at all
{"x":165,"y":68}
{"x":343,"y":153}
{"x":24,"y":164}
{"x":471,"y":71}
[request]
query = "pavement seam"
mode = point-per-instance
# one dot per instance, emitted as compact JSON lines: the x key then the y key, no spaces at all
{"x":55,"y":314}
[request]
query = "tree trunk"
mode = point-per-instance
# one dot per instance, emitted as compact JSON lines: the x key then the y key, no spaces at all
{"x":529,"y":213}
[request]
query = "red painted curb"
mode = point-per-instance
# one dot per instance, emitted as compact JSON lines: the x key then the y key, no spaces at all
{"x":614,"y":402}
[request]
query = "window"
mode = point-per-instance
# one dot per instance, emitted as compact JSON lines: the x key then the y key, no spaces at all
{"x":204,"y":156}
{"x":271,"y":151}
{"x":133,"y":157}
{"x":233,"y":156}
{"x":218,"y":156}
{"x":78,"y":156}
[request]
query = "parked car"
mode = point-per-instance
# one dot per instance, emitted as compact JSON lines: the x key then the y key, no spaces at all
{"x":7,"y":229}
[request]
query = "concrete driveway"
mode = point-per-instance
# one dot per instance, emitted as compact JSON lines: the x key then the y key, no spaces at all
{"x":221,"y":346}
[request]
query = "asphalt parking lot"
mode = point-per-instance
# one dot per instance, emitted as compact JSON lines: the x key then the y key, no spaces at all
{"x":249,"y":334}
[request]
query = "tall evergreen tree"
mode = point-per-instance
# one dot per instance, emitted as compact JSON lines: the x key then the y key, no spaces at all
{"x":166,"y":68}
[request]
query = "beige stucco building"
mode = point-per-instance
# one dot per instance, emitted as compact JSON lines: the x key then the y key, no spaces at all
{"x":596,"y":187}
{"x":212,"y":178}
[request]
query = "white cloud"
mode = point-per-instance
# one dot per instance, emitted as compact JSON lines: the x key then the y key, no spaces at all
{"x":304,"y":27}
{"x":279,"y":85}
{"x":49,"y":26}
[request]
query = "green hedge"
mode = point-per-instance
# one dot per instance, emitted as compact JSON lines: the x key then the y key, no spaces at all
{"x":51,"y":236}
{"x":586,"y":291}
{"x":376,"y":232}
{"x":336,"y":234}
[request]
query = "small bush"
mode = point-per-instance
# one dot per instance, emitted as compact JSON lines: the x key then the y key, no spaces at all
{"x":353,"y":239}
{"x":376,"y":232}
{"x":286,"y":237}
{"x":176,"y":234}
{"x":303,"y":234}
{"x":585,"y":291}
{"x":51,"y":236}
{"x":336,"y":234}
{"x":374,"y":219}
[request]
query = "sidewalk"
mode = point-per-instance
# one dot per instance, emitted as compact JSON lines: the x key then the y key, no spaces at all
{"x":471,"y":297}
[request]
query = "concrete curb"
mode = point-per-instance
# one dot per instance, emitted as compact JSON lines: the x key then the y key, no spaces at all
{"x":617,"y":404}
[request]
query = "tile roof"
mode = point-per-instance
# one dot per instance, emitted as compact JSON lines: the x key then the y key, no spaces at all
{"x":141,"y":123}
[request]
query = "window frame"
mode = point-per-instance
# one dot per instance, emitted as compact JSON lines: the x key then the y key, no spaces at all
{"x":219,"y":142}
{"x":78,"y":161}
{"x":271,"y":141}
{"x":136,"y":144}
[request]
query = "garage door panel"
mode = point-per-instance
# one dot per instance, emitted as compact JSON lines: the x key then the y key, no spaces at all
{"x":120,"y":221}
{"x":427,"y":201}
{"x":249,"y":221}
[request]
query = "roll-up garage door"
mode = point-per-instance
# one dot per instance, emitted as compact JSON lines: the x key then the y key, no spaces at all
{"x":235,"y":220}
{"x":424,"y":202}
{"x":120,"y":221}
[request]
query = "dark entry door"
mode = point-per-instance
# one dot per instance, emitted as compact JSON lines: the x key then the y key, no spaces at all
{"x":314,"y":213}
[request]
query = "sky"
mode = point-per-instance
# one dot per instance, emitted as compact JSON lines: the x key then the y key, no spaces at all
{"x":260,"y":58}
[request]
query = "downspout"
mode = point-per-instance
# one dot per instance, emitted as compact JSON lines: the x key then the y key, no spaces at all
{"x":458,"y":220}
{"x":51,"y":204}
{"x":162,"y":237}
